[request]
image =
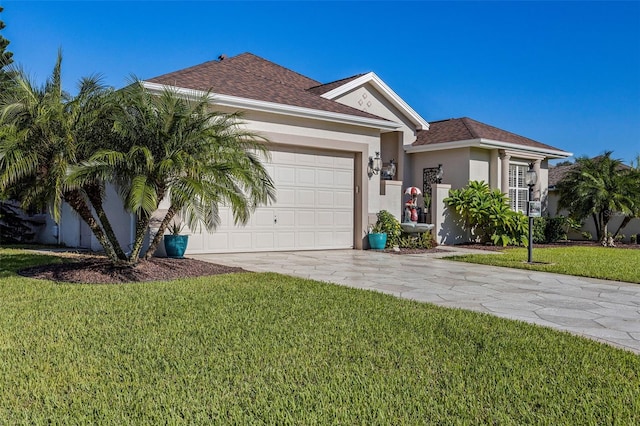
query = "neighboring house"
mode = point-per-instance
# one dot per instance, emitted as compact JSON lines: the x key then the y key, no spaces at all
{"x":323,"y":138}
{"x":556,"y":174}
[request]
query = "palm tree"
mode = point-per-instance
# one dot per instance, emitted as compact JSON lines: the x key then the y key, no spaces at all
{"x":598,"y":188}
{"x":44,"y":132}
{"x":172,"y":148}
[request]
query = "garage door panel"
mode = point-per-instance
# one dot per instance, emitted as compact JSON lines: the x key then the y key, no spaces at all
{"x":305,"y":176}
{"x":306,"y":239}
{"x":305,"y":198}
{"x":343,"y":219}
{"x":343,"y":199}
{"x":263,"y":240}
{"x":305,"y":159}
{"x":325,"y":218}
{"x":313,"y":209}
{"x":305,"y":218}
{"x":325,"y":178}
{"x":324,"y":199}
{"x":343,"y":179}
{"x":343,"y":237}
{"x":240,"y":240}
{"x":263,"y":218}
{"x":325,"y":239}
{"x":285,"y":175}
{"x":285,"y":219}
{"x":285,"y":239}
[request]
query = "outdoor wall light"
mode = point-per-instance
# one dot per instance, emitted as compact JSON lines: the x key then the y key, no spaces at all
{"x":375,"y":165}
{"x":439,"y":174}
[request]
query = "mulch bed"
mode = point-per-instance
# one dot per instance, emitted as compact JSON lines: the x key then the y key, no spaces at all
{"x":98,"y":270}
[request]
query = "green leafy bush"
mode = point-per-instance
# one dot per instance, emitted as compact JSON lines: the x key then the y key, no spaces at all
{"x":423,"y":241}
{"x":539,"y":230}
{"x":551,"y":229}
{"x":487,"y":215}
{"x":388,"y":224}
{"x":557,"y":228}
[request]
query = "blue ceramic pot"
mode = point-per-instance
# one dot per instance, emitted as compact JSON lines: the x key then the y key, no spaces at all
{"x":175,"y":245}
{"x":378,"y":241}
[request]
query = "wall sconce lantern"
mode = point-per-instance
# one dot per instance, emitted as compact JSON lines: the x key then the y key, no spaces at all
{"x":375,"y":165}
{"x":439,"y":174}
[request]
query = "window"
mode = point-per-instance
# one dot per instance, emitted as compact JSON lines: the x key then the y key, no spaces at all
{"x":518,"y":189}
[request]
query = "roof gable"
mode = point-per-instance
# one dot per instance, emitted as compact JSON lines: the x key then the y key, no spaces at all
{"x":341,"y":87}
{"x":251,"y":77}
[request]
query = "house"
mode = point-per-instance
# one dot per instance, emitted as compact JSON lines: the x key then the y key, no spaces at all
{"x":556,"y":174}
{"x":324,"y":139}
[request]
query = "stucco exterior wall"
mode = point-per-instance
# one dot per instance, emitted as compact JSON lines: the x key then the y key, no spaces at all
{"x":479,"y":165}
{"x":366,"y":98}
{"x":455,"y":164}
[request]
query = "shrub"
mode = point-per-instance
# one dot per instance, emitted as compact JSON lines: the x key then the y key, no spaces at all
{"x":388,"y":224}
{"x":555,"y":229}
{"x":587,"y":235}
{"x":423,"y":241}
{"x":633,"y":239}
{"x":539,"y":230}
{"x":487,"y":215}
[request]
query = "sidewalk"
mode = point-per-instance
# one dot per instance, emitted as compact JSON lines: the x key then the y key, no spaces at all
{"x":607,"y":311}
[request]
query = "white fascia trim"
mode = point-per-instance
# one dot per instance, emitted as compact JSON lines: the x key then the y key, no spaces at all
{"x":490,"y":144}
{"x":272,"y":107}
{"x":387,"y":92}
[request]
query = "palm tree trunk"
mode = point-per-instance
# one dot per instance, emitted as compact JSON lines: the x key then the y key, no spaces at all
{"x":163,"y":225}
{"x":624,"y":223}
{"x":596,"y":222}
{"x":77,"y":203}
{"x":94,"y":193}
{"x":142,"y":224}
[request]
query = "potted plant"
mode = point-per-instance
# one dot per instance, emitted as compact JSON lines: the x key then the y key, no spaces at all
{"x":377,"y":237}
{"x":174,"y":243}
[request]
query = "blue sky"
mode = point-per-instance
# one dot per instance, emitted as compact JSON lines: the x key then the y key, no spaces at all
{"x":563,"y":73}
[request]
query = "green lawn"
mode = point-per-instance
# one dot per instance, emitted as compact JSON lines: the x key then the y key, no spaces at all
{"x":270,"y":349}
{"x":595,"y":262}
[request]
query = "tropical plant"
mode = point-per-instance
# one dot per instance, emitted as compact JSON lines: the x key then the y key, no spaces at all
{"x":388,"y":224}
{"x":600,"y":188}
{"x":176,"y":149}
{"x":486,"y":214}
{"x":43,"y":132}
{"x":176,"y":228}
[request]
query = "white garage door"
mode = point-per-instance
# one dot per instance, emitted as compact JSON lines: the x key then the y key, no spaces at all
{"x":313,"y":210}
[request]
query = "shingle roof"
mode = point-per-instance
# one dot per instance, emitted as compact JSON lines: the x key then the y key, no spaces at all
{"x":249,"y":76}
{"x":557,"y":173}
{"x":460,"y":129}
{"x":324,"y":88}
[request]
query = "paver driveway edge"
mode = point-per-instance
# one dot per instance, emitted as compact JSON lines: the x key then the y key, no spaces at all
{"x":607,"y":311}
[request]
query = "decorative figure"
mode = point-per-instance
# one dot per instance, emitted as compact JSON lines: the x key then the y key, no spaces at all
{"x":411,"y":206}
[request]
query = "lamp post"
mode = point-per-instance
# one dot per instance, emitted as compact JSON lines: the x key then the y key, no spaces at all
{"x":531,"y":179}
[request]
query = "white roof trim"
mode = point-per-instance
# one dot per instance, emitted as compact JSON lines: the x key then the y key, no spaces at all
{"x":490,"y":144}
{"x":272,"y":107}
{"x":390,"y":95}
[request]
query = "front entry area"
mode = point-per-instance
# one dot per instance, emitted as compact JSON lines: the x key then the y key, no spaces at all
{"x":314,"y":208}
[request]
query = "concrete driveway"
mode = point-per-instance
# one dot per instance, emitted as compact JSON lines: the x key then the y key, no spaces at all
{"x":607,"y":311}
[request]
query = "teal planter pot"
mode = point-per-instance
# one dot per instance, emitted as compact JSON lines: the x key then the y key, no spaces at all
{"x":175,"y":245}
{"x":378,"y":241}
